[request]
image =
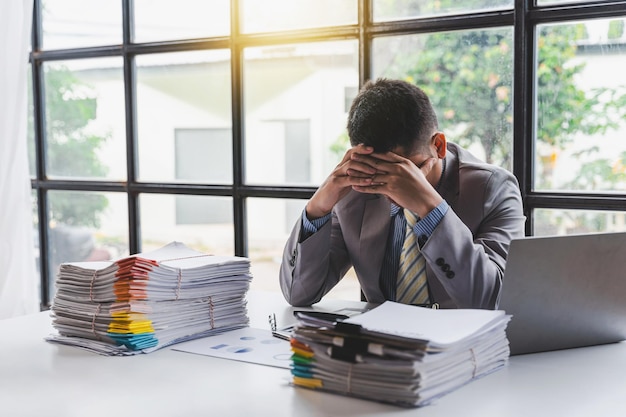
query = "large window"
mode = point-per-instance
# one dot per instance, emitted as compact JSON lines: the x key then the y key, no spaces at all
{"x":212,"y":122}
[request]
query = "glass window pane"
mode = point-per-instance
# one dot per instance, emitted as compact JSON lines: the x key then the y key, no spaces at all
{"x":85,"y":121}
{"x":184,"y":117}
{"x":37,"y":250}
{"x":30,"y":118}
{"x":468,"y":76}
{"x":406,"y":9}
{"x":86,"y":226}
{"x":581,"y":113}
{"x":567,"y":222}
{"x":164,"y":20}
{"x":295,"y":110}
{"x":200,"y":222}
{"x":276,"y":15}
{"x":270,"y":221}
{"x":81,"y":23}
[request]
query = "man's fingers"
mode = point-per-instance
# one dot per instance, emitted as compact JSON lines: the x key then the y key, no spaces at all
{"x":388,"y":157}
{"x":357,"y":174}
{"x":379,"y":161}
{"x":358,"y":149}
{"x":372,"y":188}
{"x":361,"y":170}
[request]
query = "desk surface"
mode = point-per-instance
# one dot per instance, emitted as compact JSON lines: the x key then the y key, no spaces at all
{"x":39,"y":378}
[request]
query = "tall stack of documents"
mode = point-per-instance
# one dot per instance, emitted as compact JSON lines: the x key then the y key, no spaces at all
{"x":148,"y":301}
{"x":397,"y":353}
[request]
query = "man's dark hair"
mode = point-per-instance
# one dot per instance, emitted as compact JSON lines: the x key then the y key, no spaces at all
{"x":389,"y":114}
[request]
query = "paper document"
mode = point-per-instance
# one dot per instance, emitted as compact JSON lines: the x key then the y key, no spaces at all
{"x":247,"y":345}
{"x":397,"y":353}
{"x":148,"y":301}
{"x":439,"y":327}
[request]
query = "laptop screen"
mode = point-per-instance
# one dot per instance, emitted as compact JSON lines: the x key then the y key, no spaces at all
{"x":565,"y":291}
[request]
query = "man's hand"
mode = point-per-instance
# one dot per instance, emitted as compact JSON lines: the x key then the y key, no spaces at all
{"x":402,"y":181}
{"x":350,"y":172}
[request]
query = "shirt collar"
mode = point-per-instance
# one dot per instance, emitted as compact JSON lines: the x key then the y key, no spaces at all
{"x":394,"y":209}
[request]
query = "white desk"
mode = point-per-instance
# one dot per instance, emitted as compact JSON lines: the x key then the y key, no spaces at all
{"x":41,"y":379}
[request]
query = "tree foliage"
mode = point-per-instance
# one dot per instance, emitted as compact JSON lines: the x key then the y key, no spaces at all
{"x":468,"y":76}
{"x":71,"y":148}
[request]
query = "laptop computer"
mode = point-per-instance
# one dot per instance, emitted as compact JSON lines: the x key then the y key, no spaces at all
{"x":565,"y":291}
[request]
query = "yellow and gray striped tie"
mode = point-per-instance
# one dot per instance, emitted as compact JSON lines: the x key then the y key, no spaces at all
{"x":411,"y":284}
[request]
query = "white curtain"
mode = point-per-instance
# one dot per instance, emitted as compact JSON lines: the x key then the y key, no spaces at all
{"x":18,"y":278}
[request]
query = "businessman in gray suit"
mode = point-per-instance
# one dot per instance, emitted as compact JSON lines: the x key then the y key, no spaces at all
{"x":401,"y":169}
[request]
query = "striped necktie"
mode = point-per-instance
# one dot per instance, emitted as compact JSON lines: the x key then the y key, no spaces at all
{"x":411,"y":283}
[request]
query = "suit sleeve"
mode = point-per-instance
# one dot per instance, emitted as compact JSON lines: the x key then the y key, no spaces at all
{"x":469,"y":264}
{"x":311,"y":268}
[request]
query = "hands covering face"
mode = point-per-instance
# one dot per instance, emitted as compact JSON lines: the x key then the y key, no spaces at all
{"x":398,"y":178}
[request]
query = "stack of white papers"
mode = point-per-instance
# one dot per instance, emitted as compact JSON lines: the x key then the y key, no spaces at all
{"x":399,"y":354}
{"x":148,"y":301}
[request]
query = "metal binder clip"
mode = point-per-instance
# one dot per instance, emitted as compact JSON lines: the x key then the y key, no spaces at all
{"x":284,"y":333}
{"x":272,"y":321}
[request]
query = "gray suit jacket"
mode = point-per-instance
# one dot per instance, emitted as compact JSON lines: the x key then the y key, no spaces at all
{"x":465,"y":255}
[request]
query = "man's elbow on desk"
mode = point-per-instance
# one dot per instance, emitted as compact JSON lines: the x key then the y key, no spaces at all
{"x":295,"y":294}
{"x":298,"y":301}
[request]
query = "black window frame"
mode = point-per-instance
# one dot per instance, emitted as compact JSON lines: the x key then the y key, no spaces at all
{"x":523,"y":17}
